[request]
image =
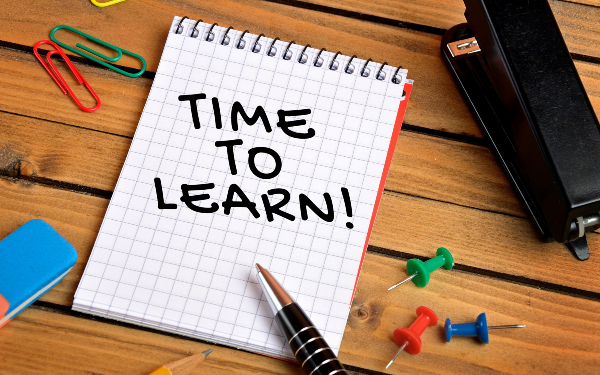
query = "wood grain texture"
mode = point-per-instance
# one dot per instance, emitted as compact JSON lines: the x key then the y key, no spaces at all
{"x":77,"y":217}
{"x":579,"y":24}
{"x":451,"y":171}
{"x":480,"y":239}
{"x":26,"y":89}
{"x":425,"y":166}
{"x":436,"y":103}
{"x":557,"y":326}
{"x":142,"y":26}
{"x":444,"y":170}
{"x":469,"y":206}
{"x":562,"y":333}
{"x":44,"y":149}
{"x":487,"y":240}
{"x":594,"y":3}
{"x":66,"y":344}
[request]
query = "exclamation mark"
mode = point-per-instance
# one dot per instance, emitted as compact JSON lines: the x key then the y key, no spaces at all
{"x":346,"y":196}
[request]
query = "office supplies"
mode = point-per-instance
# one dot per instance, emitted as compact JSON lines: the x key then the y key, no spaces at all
{"x":514,"y":70}
{"x":33,"y":259}
{"x":246,"y":154}
{"x":478,"y":329}
{"x":84,"y":53}
{"x":58,"y":78}
{"x":409,"y":339}
{"x":106,"y":3}
{"x":310,"y":348}
{"x":420,"y":271}
{"x":183,"y":366}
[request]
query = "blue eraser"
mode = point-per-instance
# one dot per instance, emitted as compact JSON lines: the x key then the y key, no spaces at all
{"x":33,"y":259}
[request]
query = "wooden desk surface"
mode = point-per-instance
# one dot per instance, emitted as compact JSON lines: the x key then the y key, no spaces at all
{"x":444,"y":189}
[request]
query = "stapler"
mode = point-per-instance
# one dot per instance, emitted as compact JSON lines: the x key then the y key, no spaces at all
{"x":515,"y":72}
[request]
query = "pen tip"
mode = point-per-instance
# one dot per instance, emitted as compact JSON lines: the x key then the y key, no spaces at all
{"x":206,"y":353}
{"x":259,"y":267}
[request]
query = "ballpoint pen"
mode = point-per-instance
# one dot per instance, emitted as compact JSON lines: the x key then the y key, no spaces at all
{"x":307,"y":344}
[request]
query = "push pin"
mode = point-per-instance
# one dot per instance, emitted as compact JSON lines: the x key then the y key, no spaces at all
{"x":409,"y":338}
{"x":477,"y":329}
{"x":419,"y":271}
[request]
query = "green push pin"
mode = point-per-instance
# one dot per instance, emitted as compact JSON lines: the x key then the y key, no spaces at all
{"x":419,"y":271}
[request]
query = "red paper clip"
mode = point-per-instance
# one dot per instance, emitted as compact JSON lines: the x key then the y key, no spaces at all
{"x":57,"y":77}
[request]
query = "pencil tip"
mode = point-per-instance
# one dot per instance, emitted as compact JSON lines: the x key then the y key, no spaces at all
{"x":206,"y":353}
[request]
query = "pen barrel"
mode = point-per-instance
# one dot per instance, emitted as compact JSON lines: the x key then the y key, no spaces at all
{"x":307,"y":344}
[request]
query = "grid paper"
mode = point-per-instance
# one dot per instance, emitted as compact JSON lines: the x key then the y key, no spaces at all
{"x":193,"y":273}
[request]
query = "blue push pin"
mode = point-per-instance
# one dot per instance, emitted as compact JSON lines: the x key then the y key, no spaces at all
{"x":478,"y":329}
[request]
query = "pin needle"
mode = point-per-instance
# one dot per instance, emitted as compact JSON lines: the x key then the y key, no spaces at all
{"x":397,"y":354}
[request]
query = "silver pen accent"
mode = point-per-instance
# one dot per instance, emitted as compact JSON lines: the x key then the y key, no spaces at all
{"x":276,"y":296}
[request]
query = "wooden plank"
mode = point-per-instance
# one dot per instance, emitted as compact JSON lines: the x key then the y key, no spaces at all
{"x":450,"y":171}
{"x":580,"y":27}
{"x":66,"y":345}
{"x":440,"y":14}
{"x":594,"y":3}
{"x":436,"y":103}
{"x":579,"y":24}
{"x":36,"y":148}
{"x":459,"y":173}
{"x":430,"y":167}
{"x":142,"y":26}
{"x":552,"y":321}
{"x":480,"y":239}
{"x":562,"y":333}
{"x":26,"y":88}
{"x":486,"y":240}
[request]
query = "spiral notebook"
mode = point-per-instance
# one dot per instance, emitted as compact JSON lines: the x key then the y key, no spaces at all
{"x":249,"y":150}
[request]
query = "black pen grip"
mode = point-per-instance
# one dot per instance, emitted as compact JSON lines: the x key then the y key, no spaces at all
{"x":307,"y":344}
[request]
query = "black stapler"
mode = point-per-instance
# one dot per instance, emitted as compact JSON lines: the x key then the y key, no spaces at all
{"x":516,"y":75}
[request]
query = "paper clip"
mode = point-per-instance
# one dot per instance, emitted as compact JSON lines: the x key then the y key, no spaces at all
{"x":119,"y":51}
{"x":107,"y":3}
{"x":57,"y":77}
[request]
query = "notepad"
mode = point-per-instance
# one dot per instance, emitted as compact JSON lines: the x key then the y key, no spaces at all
{"x":249,"y":150}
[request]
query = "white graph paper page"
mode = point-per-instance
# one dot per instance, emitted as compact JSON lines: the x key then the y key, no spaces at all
{"x":193,"y":273}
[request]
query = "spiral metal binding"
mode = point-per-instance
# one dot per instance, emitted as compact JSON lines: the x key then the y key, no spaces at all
{"x":287,"y":54}
{"x":303,"y":58}
{"x":211,"y":36}
{"x":349,"y":69}
{"x":226,"y":39}
{"x":241,"y":42}
{"x":395,"y":76}
{"x":273,"y":50}
{"x":254,"y":49}
{"x":319,"y":60}
{"x":179,"y":29}
{"x":381,"y":74}
{"x":334,"y":64}
{"x":364,"y":72}
{"x":195,"y":31}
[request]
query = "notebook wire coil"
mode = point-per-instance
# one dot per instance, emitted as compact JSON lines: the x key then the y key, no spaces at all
{"x":302,"y":58}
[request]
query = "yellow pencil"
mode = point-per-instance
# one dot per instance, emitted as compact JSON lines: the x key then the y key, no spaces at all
{"x":183,"y":366}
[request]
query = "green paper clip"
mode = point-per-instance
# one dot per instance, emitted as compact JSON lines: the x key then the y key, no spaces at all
{"x":119,"y":51}
{"x":107,"y":3}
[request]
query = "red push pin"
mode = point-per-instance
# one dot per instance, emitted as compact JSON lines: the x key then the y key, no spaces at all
{"x":409,"y":338}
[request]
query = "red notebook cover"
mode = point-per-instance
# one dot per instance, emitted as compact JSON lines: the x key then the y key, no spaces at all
{"x":386,"y":168}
